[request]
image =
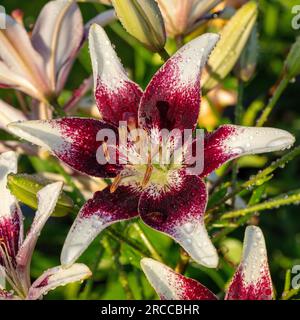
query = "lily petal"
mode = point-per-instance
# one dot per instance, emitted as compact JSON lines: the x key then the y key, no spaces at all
{"x":9,"y":114}
{"x":172,"y":98}
{"x":178,"y":211}
{"x":170,"y":285}
{"x":116,"y":95}
{"x":11,"y":224}
{"x":252,"y":280}
{"x":57,"y":276}
{"x":19,"y":55}
{"x":57,"y":36}
{"x":230,"y":141}
{"x":7,"y":295}
{"x":72,"y":140}
{"x":98,"y":213}
{"x":47,"y":199}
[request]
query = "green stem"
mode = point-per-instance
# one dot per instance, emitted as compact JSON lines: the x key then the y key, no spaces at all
{"x":182,"y":262}
{"x":164,"y":54}
{"x":258,"y":177}
{"x":283,"y":200}
{"x":147,"y":242}
{"x":273,"y":100}
{"x":57,"y":109}
{"x":238,"y":118}
{"x":89,"y":283}
{"x":119,"y":237}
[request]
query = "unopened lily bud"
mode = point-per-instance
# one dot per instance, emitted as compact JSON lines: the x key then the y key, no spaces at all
{"x":246,"y":65}
{"x":292,"y":62}
{"x":143,"y":20}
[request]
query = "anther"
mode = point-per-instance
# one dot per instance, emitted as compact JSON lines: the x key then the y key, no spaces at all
{"x":114,"y":186}
{"x":105,"y":151}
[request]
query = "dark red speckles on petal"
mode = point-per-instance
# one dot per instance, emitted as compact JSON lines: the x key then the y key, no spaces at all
{"x":81,"y":146}
{"x":74,"y":141}
{"x":170,"y":285}
{"x":98,"y":213}
{"x":215,"y":153}
{"x":116,"y":95}
{"x":252,"y":280}
{"x":10,"y":236}
{"x":172,"y":98}
{"x":118,"y":104}
{"x":178,"y":211}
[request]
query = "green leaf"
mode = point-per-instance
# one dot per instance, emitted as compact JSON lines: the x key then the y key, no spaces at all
{"x":25,"y":188}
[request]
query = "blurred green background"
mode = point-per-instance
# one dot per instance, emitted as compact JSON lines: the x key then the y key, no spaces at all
{"x":281,"y":226}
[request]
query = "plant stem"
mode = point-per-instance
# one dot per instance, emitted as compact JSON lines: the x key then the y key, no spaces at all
{"x":238,"y":118}
{"x":182,"y":262}
{"x":119,"y":237}
{"x":147,"y":242}
{"x":282,"y":200}
{"x":164,"y":54}
{"x":273,"y":100}
{"x":89,"y":283}
{"x":57,"y":109}
{"x":258,"y":177}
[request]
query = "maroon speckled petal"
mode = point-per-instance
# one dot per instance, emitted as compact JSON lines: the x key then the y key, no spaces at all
{"x":98,"y":213}
{"x":116,"y":95}
{"x":177,"y":210}
{"x":57,"y":276}
{"x":172,"y":99}
{"x":230,"y":141}
{"x":252,"y":280}
{"x":11,"y":224}
{"x":72,"y":140}
{"x":170,"y":285}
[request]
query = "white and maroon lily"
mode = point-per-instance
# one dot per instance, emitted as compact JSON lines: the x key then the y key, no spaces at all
{"x":251,"y":281}
{"x":167,"y":198}
{"x":39,"y":64}
{"x":16,"y":252}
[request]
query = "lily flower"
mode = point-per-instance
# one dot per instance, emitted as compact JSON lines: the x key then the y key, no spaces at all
{"x":39,"y":64}
{"x":251,"y":281}
{"x":182,"y":16}
{"x":16,"y":252}
{"x":167,"y":198}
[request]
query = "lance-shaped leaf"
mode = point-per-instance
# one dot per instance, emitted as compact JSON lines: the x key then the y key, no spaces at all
{"x":252,"y":280}
{"x":47,"y":198}
{"x":170,"y":285}
{"x":292,"y":63}
{"x":25,"y":188}
{"x":233,"y":39}
{"x":57,"y":276}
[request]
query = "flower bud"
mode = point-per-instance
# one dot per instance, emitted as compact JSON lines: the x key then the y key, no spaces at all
{"x":292,"y":62}
{"x":246,"y":65}
{"x":143,"y":20}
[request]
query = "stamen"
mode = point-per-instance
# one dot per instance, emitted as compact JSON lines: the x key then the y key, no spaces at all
{"x":105,"y":151}
{"x":115,"y":184}
{"x":148,"y":173}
